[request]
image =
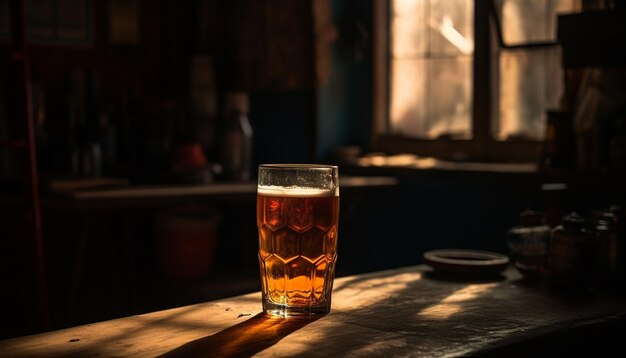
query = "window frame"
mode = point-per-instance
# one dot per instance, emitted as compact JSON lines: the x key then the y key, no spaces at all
{"x":482,"y":146}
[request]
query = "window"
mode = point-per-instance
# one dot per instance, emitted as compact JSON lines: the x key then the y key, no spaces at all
{"x":431,"y":53}
{"x":530,"y":79}
{"x":467,"y":79}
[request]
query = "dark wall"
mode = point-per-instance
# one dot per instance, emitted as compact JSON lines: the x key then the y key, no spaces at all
{"x":283,"y":124}
{"x":344,"y":103}
{"x":433,"y":210}
{"x":312,"y":123}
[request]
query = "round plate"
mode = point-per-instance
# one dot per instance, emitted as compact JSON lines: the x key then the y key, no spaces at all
{"x":466,"y":262}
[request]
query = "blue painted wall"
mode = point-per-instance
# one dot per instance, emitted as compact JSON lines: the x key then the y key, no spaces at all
{"x":344,"y":103}
{"x":340,"y":110}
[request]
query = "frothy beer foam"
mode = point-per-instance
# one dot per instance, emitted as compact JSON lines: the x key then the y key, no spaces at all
{"x":295,"y":191}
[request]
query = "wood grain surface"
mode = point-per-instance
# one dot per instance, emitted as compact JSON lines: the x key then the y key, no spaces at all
{"x":401,"y":312}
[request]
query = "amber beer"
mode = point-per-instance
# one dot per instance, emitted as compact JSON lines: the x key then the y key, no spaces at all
{"x":297,"y":248}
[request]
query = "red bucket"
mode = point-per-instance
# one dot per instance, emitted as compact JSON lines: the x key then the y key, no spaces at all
{"x":187,"y":242}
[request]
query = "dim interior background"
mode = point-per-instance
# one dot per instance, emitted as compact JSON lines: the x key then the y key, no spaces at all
{"x":131,"y":93}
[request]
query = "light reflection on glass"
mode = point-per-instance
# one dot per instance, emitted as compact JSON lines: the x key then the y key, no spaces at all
{"x":432,"y":46}
{"x":407,"y":27}
{"x":525,"y":21}
{"x":530,"y":81}
{"x":446,"y":27}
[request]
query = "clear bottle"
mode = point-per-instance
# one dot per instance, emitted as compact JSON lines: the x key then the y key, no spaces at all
{"x":237,"y":135}
{"x":528,"y":243}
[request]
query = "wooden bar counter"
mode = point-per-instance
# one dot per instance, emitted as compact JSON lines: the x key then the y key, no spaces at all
{"x":400,"y":312}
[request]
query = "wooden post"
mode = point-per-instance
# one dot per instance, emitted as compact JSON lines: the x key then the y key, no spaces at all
{"x":22,"y":96}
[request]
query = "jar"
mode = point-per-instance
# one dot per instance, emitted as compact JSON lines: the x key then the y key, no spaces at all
{"x":569,"y":259}
{"x":605,"y":236}
{"x":528,"y":243}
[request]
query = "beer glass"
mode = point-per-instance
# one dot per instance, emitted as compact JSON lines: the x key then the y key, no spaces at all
{"x":297,"y":217}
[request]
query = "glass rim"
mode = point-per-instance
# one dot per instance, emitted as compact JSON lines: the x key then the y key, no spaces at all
{"x":299,"y":166}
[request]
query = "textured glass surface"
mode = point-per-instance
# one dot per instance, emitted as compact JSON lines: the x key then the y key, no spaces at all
{"x":530,"y":83}
{"x":450,"y":89}
{"x":431,"y":60}
{"x":408,"y":97}
{"x":525,"y":21}
{"x":408,"y":28}
{"x":451,"y":27}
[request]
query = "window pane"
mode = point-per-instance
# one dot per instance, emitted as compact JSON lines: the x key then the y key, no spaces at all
{"x":525,"y":21}
{"x":450,"y":94}
{"x":431,"y":97}
{"x":408,"y":29}
{"x":408,"y":97}
{"x":451,"y":27}
{"x":431,"y":68}
{"x":530,"y":83}
{"x":562,"y":7}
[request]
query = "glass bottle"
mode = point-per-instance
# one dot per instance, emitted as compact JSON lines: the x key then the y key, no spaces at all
{"x":569,"y":253}
{"x":604,"y":235}
{"x":528,"y":243}
{"x":236,"y":148}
